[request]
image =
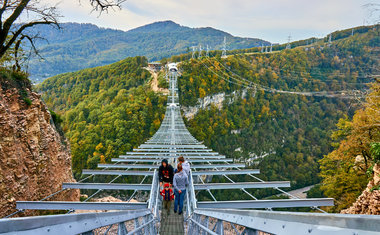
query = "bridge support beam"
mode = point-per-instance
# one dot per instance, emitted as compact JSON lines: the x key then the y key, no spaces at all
{"x":239,"y":185}
{"x":54,"y":205}
{"x":277,"y":203}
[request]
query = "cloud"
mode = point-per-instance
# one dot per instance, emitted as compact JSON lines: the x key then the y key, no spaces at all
{"x":272,"y":20}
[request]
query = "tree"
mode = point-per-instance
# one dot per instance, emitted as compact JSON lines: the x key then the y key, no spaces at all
{"x":32,"y":12}
{"x":345,"y":170}
{"x":104,"y":5}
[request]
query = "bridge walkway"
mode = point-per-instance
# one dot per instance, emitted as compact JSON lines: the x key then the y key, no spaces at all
{"x":172,"y":224}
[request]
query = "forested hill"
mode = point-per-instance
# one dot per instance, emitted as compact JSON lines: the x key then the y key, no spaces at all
{"x":106,"y":110}
{"x":109,"y":110}
{"x":79,"y":46}
{"x":285,"y":134}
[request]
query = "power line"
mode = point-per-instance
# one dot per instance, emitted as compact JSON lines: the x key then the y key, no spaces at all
{"x":343,"y":94}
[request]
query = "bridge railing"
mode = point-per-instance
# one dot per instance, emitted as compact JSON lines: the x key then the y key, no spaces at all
{"x":84,"y":223}
{"x":154,"y":204}
{"x":214,"y":221}
{"x":123,"y":222}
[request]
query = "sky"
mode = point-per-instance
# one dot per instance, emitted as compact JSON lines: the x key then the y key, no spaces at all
{"x":271,"y":20}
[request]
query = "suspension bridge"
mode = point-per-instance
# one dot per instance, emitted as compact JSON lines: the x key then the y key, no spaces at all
{"x":200,"y":217}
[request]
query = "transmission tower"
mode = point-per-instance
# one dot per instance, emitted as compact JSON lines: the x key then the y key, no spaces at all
{"x":200,"y":51}
{"x":193,"y":55}
{"x":288,"y":45}
{"x":207,"y":50}
{"x":224,"y":49}
{"x":329,"y":39}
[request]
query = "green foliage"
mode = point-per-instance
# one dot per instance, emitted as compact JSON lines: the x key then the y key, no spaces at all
{"x":57,"y":119}
{"x":24,"y":96}
{"x":109,"y":110}
{"x":375,"y":151}
{"x":347,"y":170}
{"x":17,"y":79}
{"x":376,"y":187}
{"x":316,"y":192}
{"x":106,"y":111}
{"x":283,"y":134}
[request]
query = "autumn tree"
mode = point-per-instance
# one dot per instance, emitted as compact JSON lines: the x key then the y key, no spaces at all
{"x":347,"y":169}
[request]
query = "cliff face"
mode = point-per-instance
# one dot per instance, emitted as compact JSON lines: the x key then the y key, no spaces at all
{"x":369,"y":201}
{"x":34,"y":157}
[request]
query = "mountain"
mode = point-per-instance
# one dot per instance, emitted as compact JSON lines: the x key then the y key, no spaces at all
{"x":35,"y":156}
{"x":108,"y":110}
{"x":78,"y":46}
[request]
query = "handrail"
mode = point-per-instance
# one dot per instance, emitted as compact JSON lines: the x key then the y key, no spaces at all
{"x":193,"y":202}
{"x":151,"y":198}
{"x":141,"y":227}
{"x":276,"y":222}
{"x":67,"y":224}
{"x":209,"y":231}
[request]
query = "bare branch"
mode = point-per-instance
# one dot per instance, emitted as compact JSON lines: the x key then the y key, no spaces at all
{"x":104,"y":5}
{"x":30,"y":11}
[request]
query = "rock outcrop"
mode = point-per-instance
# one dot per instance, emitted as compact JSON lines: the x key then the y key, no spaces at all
{"x":35,"y":158}
{"x":369,"y":201}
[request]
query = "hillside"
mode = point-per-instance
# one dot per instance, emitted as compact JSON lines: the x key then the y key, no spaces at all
{"x":35,"y":156}
{"x":79,"y":46}
{"x":284,"y":134}
{"x":109,"y":110}
{"x":354,"y":162}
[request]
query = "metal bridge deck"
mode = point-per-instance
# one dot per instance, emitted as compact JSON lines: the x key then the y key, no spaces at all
{"x":172,"y":224}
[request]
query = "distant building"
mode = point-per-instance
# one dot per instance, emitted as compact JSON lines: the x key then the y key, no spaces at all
{"x":156,"y":66}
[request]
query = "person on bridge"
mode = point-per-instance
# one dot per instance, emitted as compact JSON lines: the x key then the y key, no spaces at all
{"x":180,"y":182}
{"x":165,"y":173}
{"x":168,"y":196}
{"x":185,"y":165}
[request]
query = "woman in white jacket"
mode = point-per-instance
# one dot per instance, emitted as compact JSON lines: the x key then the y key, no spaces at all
{"x":185,"y":165}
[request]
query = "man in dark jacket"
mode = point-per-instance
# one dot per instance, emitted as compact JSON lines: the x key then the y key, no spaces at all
{"x":165,"y":173}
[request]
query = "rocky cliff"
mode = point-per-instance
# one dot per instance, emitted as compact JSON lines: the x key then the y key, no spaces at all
{"x":369,"y":201}
{"x":35,"y":158}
